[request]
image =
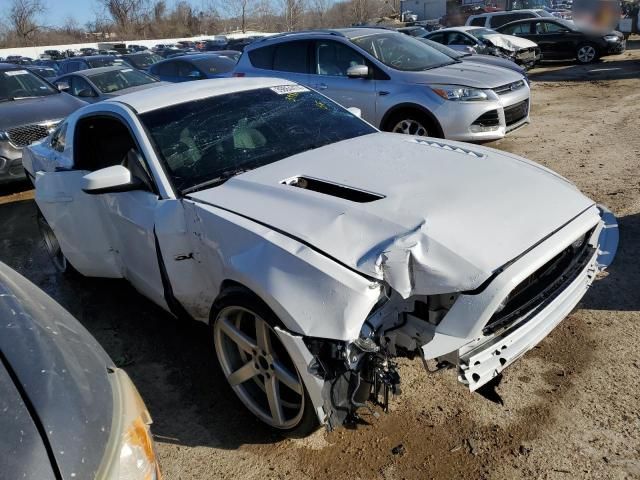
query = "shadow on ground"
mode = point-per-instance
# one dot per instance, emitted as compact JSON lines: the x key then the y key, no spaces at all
{"x":172,"y":361}
{"x":597,"y":71}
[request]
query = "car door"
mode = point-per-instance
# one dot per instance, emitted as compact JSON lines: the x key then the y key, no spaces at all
{"x":559,"y":38}
{"x":331,"y":60}
{"x":549,"y":42}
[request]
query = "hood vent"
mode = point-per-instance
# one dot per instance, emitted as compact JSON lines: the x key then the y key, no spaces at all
{"x":333,"y":189}
{"x":445,"y":146}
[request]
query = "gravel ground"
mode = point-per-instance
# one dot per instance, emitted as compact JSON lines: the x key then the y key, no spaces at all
{"x":570,"y":406}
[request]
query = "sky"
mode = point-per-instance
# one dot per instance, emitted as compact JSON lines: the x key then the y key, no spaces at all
{"x":59,"y":10}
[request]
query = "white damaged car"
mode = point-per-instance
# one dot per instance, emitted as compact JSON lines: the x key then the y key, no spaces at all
{"x":317,"y":247}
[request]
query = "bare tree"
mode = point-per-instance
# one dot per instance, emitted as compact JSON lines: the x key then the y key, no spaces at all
{"x":128,"y":15}
{"x":238,"y":9}
{"x":23,"y":18}
{"x":293,"y":13}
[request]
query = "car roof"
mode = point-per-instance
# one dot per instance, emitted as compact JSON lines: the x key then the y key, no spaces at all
{"x":528,"y":10}
{"x":348,"y":32}
{"x":96,"y":71}
{"x":177,"y":93}
{"x":463,"y":28}
{"x":89,"y":57}
{"x":10,"y":66}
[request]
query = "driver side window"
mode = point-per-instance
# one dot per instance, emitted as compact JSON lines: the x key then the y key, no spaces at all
{"x":334,"y":58}
{"x":78,"y":85}
{"x":456,"y":38}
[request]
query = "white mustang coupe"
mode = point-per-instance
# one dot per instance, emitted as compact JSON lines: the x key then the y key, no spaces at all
{"x":316,"y":247}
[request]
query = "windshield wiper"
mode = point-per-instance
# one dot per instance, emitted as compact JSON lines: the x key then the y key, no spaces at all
{"x":214,"y":182}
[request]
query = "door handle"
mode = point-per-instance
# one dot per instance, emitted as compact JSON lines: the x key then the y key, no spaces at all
{"x":382,"y":93}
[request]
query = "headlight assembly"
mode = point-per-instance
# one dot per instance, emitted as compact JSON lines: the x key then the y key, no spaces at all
{"x":459,"y":93}
{"x":611,"y":38}
{"x":130,"y":452}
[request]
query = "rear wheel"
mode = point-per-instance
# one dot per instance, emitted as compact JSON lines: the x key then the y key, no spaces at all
{"x":258,"y":367}
{"x":411,"y":122}
{"x":586,"y":53}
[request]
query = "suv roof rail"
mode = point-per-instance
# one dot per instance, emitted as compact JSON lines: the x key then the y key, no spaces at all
{"x":301,"y":32}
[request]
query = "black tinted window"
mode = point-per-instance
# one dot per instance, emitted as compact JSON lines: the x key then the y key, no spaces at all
{"x":291,"y":57}
{"x":262,"y":57}
{"x":205,"y":141}
{"x":478,"y":22}
{"x":499,"y":20}
{"x":437,"y":37}
{"x":168,"y":69}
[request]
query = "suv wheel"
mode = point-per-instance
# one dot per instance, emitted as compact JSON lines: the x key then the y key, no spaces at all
{"x":411,"y":123}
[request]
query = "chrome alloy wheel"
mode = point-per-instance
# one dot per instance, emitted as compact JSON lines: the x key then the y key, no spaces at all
{"x":258,"y":367}
{"x":52,"y":245}
{"x":410,"y":126}
{"x":586,"y":53}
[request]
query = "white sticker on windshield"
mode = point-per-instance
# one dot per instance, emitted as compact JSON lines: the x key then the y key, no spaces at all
{"x":287,"y":89}
{"x":13,"y":73}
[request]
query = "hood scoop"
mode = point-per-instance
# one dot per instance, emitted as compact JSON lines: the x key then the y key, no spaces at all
{"x":445,"y":146}
{"x":333,"y":189}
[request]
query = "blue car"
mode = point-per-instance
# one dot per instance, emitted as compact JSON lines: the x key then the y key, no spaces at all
{"x":193,"y":67}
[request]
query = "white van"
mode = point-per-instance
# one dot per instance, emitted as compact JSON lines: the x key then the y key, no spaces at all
{"x":497,"y":19}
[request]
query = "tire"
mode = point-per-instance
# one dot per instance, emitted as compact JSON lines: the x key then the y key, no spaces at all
{"x":52,"y":246}
{"x":412,"y":122}
{"x":586,"y":53}
{"x":257,"y":366}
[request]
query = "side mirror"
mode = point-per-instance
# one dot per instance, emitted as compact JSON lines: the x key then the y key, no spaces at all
{"x":109,"y":180}
{"x":86,"y":93}
{"x":355,"y":111}
{"x":63,"y":86}
{"x":358,"y":71}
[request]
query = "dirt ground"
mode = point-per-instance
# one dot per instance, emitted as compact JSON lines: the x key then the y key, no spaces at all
{"x":571,"y":405}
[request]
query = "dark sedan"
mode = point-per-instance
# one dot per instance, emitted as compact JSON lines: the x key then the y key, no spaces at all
{"x":193,"y":67}
{"x":103,"y":83}
{"x":30,"y":108}
{"x":66,"y":411}
{"x":561,"y":39}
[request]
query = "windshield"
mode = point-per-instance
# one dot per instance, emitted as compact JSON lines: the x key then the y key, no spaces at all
{"x":17,"y":84}
{"x":418,"y":32}
{"x":214,"y":64}
{"x":143,"y":60}
{"x":481,"y":33}
{"x":402,"y":52}
{"x":108,"y":82}
{"x":444,"y":49}
{"x":204,"y":142}
{"x":45,"y":72}
{"x":104,"y":62}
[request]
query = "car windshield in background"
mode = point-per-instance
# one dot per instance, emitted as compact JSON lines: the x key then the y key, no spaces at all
{"x":402,"y":52}
{"x":45,"y":72}
{"x":214,"y":64}
{"x":108,"y":82}
{"x":418,"y":32}
{"x":104,"y":62}
{"x":444,"y":49}
{"x":17,"y":84}
{"x":481,"y":33}
{"x":143,"y":60}
{"x":205,"y":142}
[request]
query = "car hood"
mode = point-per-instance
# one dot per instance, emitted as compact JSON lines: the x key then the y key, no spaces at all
{"x":509,"y":42}
{"x":464,"y":73}
{"x":496,"y":62}
{"x":35,"y":110}
{"x":450,"y":216}
{"x":61,"y":369}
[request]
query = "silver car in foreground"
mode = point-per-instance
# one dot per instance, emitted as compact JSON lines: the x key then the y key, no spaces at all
{"x":399,"y":83}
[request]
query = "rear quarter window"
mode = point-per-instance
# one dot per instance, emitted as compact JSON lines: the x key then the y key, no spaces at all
{"x":477,"y":22}
{"x":262,"y":57}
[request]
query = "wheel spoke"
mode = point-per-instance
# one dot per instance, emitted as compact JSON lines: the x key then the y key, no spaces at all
{"x":285,"y":376}
{"x":273,"y":397}
{"x":263,"y":335}
{"x":242,"y":340}
{"x":244,"y":373}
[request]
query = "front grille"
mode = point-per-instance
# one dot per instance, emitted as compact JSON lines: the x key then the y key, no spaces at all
{"x":509,"y":87}
{"x":27,"y":134}
{"x":516,"y":112}
{"x":488,"y":119}
{"x":546,"y":283}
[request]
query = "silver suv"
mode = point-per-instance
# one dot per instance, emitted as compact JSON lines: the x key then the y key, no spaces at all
{"x":399,"y":83}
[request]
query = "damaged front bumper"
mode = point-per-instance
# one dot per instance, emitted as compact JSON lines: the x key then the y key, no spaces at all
{"x":465,"y":330}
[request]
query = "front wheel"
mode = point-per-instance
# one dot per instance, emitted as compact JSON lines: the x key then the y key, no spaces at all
{"x":586,"y":53}
{"x":411,"y":122}
{"x":258,"y":367}
{"x":52,"y":246}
